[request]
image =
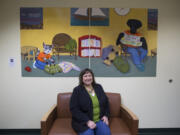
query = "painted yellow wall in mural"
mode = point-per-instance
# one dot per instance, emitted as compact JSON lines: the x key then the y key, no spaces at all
{"x":57,"y":20}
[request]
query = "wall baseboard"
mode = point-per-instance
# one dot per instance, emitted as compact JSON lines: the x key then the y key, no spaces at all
{"x":159,"y":131}
{"x":142,"y":131}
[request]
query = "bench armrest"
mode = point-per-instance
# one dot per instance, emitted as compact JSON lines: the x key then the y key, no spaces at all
{"x":48,"y":119}
{"x":130,"y":119}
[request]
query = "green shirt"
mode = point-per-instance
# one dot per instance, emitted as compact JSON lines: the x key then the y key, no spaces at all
{"x":96,"y":108}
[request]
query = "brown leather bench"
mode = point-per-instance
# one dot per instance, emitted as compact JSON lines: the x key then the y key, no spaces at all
{"x":57,"y":121}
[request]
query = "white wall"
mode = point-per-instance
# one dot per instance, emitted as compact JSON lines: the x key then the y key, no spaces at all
{"x":24,"y":100}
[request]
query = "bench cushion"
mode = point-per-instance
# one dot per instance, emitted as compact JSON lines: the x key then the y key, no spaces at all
{"x":62,"y":126}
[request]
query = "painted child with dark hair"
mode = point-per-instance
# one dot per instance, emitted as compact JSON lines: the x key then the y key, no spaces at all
{"x":134,"y":43}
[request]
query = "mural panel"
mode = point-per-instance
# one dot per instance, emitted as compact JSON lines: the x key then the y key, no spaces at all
{"x":113,"y":42}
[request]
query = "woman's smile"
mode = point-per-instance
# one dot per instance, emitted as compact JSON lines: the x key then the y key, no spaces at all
{"x":87,"y":79}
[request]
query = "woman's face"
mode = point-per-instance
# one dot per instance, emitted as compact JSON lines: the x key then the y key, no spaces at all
{"x":87,"y":78}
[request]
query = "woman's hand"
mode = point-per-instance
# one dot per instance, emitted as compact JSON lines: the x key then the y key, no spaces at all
{"x":91,"y":124}
{"x":105,"y":120}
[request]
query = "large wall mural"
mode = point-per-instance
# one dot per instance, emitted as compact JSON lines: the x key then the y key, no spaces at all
{"x":113,"y":42}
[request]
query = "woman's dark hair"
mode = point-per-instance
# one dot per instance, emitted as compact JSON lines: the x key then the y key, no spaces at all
{"x":86,"y":70}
